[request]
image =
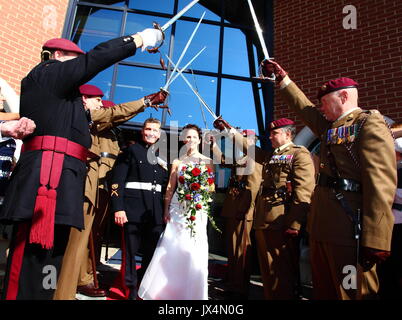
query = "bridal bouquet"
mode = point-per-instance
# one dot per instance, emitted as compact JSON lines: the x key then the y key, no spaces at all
{"x":195,"y":187}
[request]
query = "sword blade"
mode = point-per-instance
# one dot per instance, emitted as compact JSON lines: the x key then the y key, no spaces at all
{"x":169,"y":81}
{"x":259,"y":31}
{"x":178,"y":15}
{"x":182,"y":69}
{"x":195,"y":92}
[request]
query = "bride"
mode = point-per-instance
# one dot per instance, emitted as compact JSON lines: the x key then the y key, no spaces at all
{"x":179,"y":267}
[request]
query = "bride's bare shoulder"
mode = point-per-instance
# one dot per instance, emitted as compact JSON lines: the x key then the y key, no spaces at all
{"x":176,"y":162}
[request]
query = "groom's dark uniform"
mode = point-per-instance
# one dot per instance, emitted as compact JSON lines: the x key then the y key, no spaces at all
{"x":138,"y":185}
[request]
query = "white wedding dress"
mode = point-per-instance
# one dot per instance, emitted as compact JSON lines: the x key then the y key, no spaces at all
{"x":179,"y":267}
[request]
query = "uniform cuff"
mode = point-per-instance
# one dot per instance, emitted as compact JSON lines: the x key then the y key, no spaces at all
{"x":285,"y":82}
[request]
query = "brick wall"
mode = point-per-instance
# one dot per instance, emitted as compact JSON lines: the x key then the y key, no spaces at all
{"x":25,"y":26}
{"x":312,"y":45}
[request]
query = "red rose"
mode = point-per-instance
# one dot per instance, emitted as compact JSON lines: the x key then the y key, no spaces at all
{"x":192,"y":218}
{"x":196,"y":172}
{"x":209,"y":170}
{"x":188,"y":196}
{"x":181,"y":179}
{"x":195,"y":186}
{"x":198,"y":206}
{"x":211,"y":180}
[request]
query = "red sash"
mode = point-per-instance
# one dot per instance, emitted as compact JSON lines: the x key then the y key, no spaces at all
{"x":54,"y":149}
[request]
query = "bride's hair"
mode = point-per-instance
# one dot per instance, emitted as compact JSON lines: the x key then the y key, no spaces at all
{"x":194,"y":127}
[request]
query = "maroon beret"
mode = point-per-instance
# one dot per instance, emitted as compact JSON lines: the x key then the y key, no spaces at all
{"x":248,"y":132}
{"x":91,"y":90}
{"x":282,"y":122}
{"x":107,"y":103}
{"x":62,"y":44}
{"x":335,"y":85}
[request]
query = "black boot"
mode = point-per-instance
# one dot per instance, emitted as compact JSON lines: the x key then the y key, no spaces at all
{"x":132,"y":294}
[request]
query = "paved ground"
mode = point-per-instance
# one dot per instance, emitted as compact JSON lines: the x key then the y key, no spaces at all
{"x":108,"y":271}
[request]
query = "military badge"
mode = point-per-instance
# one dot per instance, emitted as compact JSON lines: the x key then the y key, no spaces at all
{"x":115,"y":186}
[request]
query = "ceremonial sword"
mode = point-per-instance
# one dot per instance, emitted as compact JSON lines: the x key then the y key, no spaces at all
{"x":165,"y":87}
{"x":259,"y":33}
{"x":170,"y":80}
{"x":178,"y":15}
{"x":169,"y":23}
{"x":180,"y":72}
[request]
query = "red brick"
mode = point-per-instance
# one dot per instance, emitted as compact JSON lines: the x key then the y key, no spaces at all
{"x":371,"y":54}
{"x":21,"y":36}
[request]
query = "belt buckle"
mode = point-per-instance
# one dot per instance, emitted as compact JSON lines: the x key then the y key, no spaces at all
{"x":338,"y":196}
{"x":153,"y":187}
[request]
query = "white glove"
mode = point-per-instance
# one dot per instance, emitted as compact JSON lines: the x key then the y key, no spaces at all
{"x":150,"y":37}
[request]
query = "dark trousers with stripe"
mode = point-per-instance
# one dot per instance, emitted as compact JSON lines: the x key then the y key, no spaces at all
{"x":32,"y":272}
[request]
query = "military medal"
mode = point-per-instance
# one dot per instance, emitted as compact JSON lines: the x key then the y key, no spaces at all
{"x":281,"y":159}
{"x":334,"y":138}
{"x":352,"y":133}
{"x":347,"y":134}
{"x":329,"y":136}
{"x":340,"y":135}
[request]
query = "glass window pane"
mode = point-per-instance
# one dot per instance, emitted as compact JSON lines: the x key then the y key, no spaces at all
{"x":116,"y":3}
{"x":138,"y":22}
{"x":256,"y":62}
{"x":104,"y":81}
{"x":165,"y":6}
{"x":207,"y":35}
{"x":235,"y":58}
{"x":236,"y":101}
{"x":133,"y":83}
{"x":185,"y":105}
{"x":197,"y":10}
{"x":262,"y":105}
{"x":93,"y":26}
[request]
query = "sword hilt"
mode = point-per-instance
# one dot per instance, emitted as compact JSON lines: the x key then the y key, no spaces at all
{"x":262,"y":77}
{"x":158,"y":27}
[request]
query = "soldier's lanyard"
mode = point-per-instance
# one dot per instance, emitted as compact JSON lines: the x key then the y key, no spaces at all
{"x":338,"y":194}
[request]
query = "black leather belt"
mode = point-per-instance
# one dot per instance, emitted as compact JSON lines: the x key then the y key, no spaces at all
{"x":325,"y":180}
{"x":107,"y":155}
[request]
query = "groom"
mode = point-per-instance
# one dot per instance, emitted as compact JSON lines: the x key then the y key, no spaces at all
{"x":138,"y":183}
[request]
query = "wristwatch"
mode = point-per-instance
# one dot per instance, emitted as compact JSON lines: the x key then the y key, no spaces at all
{"x":147,"y":102}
